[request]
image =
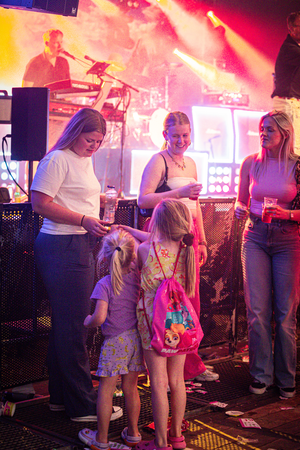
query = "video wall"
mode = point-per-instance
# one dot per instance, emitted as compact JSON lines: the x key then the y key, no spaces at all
{"x":221,"y":138}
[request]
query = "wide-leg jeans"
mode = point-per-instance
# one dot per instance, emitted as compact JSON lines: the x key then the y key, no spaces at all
{"x":271,"y":271}
{"x":66,"y":264}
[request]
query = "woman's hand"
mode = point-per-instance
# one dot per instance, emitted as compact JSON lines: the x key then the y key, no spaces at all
{"x":241,"y":210}
{"x":87,"y":321}
{"x":95,"y":226}
{"x":276,"y":212}
{"x":202,"y":254}
{"x":191,"y":191}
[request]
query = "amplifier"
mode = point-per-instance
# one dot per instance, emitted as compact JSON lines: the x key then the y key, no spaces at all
{"x":5,"y":108}
{"x":226,"y":98}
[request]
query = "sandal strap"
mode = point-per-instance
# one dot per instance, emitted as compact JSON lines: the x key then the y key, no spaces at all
{"x":176,"y":439}
{"x":150,"y":445}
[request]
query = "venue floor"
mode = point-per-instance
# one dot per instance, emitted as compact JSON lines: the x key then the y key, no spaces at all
{"x":276,"y":420}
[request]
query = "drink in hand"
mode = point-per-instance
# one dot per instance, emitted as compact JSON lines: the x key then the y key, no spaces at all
{"x":266,"y":213}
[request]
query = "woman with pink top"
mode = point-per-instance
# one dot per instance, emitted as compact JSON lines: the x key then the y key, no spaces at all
{"x":271,"y":253}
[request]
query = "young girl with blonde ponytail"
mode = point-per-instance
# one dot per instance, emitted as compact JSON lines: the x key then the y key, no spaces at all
{"x":116,"y":298}
{"x":170,"y":226}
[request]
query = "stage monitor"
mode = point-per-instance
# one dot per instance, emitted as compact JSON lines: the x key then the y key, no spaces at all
{"x":59,"y":7}
{"x":29,"y":123}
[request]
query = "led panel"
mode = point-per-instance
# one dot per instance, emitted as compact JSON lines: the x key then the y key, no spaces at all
{"x":246,"y":133}
{"x":139,"y":159}
{"x":213,"y":132}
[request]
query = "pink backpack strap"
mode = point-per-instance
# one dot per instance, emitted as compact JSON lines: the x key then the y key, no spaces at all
{"x":145,"y":312}
{"x":175,"y":267}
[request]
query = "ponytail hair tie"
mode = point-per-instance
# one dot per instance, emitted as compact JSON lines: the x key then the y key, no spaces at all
{"x":118,"y":248}
{"x":188,"y":239}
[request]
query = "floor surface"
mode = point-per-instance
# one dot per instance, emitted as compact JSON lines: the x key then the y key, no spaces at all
{"x":276,"y":420}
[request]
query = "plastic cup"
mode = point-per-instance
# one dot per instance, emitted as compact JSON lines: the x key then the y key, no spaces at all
{"x":266,"y":216}
{"x":9,"y":409}
{"x":195,"y":197}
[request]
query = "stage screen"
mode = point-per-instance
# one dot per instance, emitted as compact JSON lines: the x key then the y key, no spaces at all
{"x":246,"y":133}
{"x":213,"y":132}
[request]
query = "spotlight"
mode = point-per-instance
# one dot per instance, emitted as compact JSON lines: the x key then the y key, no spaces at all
{"x":214,"y":78}
{"x":214,"y":20}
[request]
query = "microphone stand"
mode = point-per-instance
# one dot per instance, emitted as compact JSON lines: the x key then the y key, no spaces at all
{"x":68,"y":55}
{"x":125,"y":86}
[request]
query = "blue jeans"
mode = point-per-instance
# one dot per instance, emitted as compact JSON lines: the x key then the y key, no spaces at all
{"x":271,"y":270}
{"x":66,"y":264}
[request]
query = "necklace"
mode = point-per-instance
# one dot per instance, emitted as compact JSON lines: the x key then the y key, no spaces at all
{"x":182,"y":167}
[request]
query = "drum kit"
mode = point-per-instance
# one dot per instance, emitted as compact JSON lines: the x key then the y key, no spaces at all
{"x":148,"y":102}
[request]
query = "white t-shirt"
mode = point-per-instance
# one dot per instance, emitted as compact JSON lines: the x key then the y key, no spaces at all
{"x":71,"y":181}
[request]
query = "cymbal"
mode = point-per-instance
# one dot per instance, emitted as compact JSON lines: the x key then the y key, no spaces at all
{"x":115,"y":66}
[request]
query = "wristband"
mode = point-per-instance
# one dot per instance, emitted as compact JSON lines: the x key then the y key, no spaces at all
{"x":82,"y":220}
{"x":291,"y":215}
{"x":202,"y":243}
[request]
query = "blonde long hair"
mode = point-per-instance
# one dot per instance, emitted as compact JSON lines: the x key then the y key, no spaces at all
{"x":118,"y":250}
{"x":172,"y":119}
{"x":172,"y":220}
{"x":86,"y":120}
{"x":286,"y":152}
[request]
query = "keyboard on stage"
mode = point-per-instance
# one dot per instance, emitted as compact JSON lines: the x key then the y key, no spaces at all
{"x":61,"y":109}
{"x":64,"y":94}
{"x":69,"y":87}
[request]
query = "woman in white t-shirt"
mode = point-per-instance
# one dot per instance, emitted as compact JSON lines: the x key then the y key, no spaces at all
{"x":66,"y":192}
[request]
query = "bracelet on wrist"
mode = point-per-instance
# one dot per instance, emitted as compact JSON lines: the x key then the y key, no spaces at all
{"x":81,"y":223}
{"x":291,"y":215}
{"x":203,"y":242}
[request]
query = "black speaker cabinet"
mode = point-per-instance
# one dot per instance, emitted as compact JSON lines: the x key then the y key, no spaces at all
{"x":63,"y":7}
{"x":29,"y":123}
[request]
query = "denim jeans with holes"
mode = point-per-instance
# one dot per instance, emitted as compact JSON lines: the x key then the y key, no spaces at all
{"x":271,"y":271}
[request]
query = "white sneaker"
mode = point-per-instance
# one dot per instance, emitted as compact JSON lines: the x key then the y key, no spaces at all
{"x":54,"y":407}
{"x":116,"y":414}
{"x":207,"y":375}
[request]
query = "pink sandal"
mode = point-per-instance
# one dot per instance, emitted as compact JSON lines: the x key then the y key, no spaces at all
{"x":176,"y":442}
{"x":150,"y":445}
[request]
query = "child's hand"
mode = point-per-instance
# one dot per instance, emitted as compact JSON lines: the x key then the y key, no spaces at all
{"x":87,"y":321}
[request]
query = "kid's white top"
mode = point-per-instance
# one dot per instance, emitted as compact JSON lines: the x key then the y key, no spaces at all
{"x":71,"y":181}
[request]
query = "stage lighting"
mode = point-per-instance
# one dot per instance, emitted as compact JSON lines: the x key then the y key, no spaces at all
{"x":209,"y":74}
{"x":219,"y":180}
{"x":214,"y":20}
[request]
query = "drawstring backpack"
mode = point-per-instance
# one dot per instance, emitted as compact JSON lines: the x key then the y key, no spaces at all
{"x":175,"y":328}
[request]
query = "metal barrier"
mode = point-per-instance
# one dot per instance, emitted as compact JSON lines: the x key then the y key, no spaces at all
{"x":25,"y":310}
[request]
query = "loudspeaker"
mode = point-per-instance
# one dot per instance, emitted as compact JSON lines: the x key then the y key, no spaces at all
{"x":63,"y":7}
{"x":29,"y":123}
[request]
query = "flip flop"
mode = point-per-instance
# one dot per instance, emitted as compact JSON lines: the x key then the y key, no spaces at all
{"x":178,"y":443}
{"x":150,"y":445}
{"x":131,"y":441}
{"x":88,"y":437}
